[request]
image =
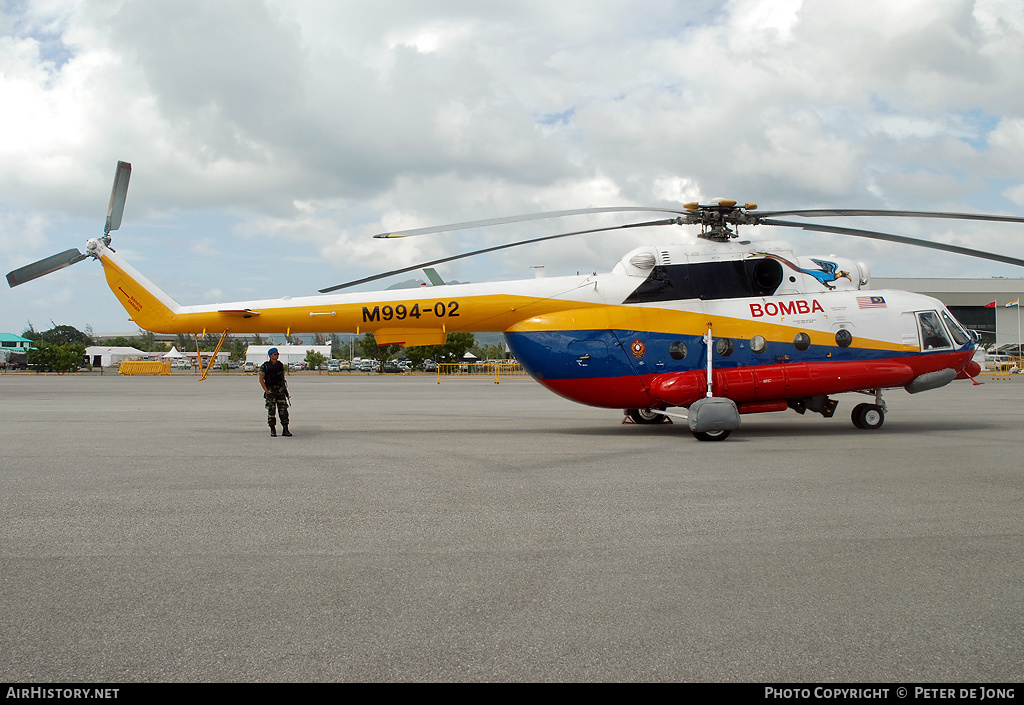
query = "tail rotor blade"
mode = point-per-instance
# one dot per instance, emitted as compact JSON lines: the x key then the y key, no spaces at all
{"x":117,"y":197}
{"x":44,"y":266}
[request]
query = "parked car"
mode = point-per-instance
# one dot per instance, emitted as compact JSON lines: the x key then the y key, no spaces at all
{"x":1004,"y":353}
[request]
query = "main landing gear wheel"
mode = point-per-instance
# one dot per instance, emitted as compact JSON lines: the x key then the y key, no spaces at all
{"x":644,"y":416}
{"x":868,"y":416}
{"x":711,"y":435}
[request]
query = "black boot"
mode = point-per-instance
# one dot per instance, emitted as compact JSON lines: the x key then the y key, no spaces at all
{"x":286,"y":432}
{"x":273,"y":429}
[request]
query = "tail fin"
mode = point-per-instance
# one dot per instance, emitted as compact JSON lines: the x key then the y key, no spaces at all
{"x":149,"y":307}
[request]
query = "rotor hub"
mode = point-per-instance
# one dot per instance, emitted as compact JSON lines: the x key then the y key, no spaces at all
{"x":716,"y":217}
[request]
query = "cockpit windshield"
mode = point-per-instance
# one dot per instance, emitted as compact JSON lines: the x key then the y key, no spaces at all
{"x":955,"y":329}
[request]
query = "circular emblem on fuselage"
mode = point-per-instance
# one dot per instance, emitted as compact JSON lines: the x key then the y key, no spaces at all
{"x":638,"y":348}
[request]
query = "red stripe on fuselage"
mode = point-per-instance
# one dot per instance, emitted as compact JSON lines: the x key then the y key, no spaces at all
{"x":754,"y":384}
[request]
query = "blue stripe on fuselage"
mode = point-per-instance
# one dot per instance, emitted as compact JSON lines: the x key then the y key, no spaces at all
{"x":577,"y":354}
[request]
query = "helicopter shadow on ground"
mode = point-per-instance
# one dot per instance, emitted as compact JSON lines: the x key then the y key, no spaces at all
{"x":752,"y":430}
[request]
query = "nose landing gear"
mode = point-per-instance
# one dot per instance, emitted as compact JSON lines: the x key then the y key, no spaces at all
{"x":646,"y":416}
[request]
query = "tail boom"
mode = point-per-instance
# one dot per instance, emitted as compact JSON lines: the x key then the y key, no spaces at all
{"x":408,"y":317}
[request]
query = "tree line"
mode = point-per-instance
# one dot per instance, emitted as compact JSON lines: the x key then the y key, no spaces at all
{"x":62,"y":348}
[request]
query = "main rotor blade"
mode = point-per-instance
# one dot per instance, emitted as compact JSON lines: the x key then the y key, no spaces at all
{"x":44,"y":266}
{"x":842,"y":212}
{"x":117,"y":195}
{"x":521,"y":218}
{"x":888,"y":237}
{"x":670,"y":221}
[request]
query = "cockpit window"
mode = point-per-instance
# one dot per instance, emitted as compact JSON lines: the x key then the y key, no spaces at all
{"x":933,"y":335}
{"x":955,"y":329}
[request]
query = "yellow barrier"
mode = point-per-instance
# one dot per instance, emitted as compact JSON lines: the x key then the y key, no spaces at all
{"x":1003,"y":369}
{"x":144,"y":367}
{"x":492,"y":369}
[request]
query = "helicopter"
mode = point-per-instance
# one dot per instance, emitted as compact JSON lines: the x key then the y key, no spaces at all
{"x":716,"y":325}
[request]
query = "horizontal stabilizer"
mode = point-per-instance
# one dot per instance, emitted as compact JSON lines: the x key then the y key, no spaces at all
{"x":44,"y":266}
{"x":243,"y":312}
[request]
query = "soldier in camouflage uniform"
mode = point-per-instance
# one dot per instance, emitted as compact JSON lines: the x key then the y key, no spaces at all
{"x":275,"y":391}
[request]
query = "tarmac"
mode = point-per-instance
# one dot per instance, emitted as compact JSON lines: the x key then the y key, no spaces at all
{"x":152,"y":530}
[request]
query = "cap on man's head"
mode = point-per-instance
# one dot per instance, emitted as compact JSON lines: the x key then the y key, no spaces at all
{"x":272,"y":351}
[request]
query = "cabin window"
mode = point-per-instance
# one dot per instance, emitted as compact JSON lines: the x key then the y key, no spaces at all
{"x":802,"y":341}
{"x":758,"y":344}
{"x":933,"y":336}
{"x":677,"y":350}
{"x":844,"y":338}
{"x":724,"y":347}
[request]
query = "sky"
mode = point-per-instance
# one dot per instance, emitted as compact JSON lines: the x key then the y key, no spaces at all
{"x":270,"y":140}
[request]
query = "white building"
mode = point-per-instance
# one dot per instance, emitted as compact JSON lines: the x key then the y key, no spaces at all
{"x":101,"y":355}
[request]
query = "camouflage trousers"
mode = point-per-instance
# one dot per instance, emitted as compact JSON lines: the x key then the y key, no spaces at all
{"x":277,"y":397}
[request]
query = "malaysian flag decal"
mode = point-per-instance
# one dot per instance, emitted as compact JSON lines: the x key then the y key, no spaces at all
{"x":870,"y":302}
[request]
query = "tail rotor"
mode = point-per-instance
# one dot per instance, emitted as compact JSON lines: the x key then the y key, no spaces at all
{"x":69,"y":257}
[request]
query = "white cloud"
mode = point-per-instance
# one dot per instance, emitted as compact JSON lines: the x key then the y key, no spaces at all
{"x":316,"y":124}
{"x":1015,"y":194}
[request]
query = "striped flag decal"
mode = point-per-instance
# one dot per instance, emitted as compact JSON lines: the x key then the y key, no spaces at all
{"x":871,"y":302}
